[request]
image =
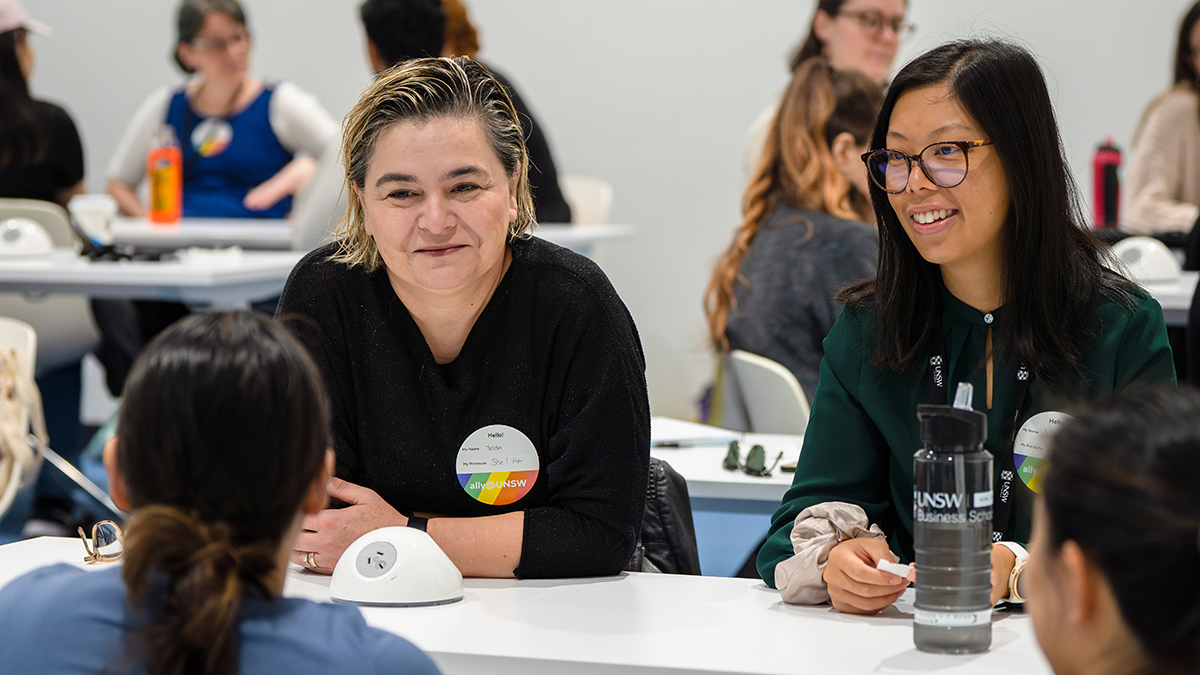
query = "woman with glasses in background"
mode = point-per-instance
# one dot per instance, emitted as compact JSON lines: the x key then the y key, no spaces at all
{"x":862,"y":35}
{"x":222,"y":450}
{"x":247,"y":147}
{"x":985,"y":276}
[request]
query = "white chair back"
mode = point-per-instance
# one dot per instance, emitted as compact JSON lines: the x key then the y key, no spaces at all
{"x":772,"y":398}
{"x":319,"y":207}
{"x":63,"y":322}
{"x":590,"y":198}
{"x":48,"y":214}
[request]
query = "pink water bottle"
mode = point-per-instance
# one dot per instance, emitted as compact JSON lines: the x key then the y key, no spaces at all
{"x":1107,"y":190}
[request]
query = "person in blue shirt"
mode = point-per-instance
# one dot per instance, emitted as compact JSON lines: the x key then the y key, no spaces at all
{"x":222,"y":450}
{"x":248,"y":145}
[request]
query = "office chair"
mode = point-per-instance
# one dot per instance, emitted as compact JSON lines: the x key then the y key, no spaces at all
{"x":771,"y":397}
{"x":63,"y":322}
{"x":590,"y":198}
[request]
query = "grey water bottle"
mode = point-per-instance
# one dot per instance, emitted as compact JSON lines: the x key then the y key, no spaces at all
{"x":952,"y":528}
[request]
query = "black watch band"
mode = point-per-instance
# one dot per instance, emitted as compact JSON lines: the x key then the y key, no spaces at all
{"x":418,"y":522}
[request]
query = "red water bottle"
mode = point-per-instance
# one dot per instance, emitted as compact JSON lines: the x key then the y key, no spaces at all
{"x":1107,"y":190}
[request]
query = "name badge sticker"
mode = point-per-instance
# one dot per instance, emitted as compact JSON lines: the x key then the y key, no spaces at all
{"x":212,"y":136}
{"x":497,"y":465}
{"x":1033,"y":443}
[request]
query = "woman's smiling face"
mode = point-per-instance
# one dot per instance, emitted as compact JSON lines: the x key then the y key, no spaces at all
{"x":958,"y":226}
{"x":438,"y":203}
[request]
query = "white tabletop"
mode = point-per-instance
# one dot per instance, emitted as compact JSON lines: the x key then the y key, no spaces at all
{"x":641,"y":623}
{"x":1175,"y":297}
{"x":217,"y":279}
{"x":702,"y":466}
{"x":256,"y":233}
{"x":264,"y":233}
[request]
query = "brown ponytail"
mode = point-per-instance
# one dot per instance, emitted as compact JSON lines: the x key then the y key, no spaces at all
{"x":206,"y":575}
{"x":797,"y":168}
{"x":222,"y":433}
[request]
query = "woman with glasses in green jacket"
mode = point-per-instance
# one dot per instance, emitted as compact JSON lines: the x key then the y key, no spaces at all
{"x":985,"y":276}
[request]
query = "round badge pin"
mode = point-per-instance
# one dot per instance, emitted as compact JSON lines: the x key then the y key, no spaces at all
{"x":497,"y":465}
{"x":1032,"y":444}
{"x":211,"y":136}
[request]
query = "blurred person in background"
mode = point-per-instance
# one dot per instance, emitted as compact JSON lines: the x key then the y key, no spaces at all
{"x":804,"y":233}
{"x":862,"y":35}
{"x":403,"y":29}
{"x":1162,"y":183}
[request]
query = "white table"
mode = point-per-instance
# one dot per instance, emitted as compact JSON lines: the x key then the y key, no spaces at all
{"x":641,"y":623}
{"x":249,"y":233}
{"x":262,"y":233}
{"x":218,"y":280}
{"x":1175,"y":297}
{"x":702,"y":465}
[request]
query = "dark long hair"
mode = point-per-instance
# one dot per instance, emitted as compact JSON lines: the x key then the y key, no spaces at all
{"x":24,"y":139}
{"x":1185,"y":69}
{"x":797,"y":168}
{"x":1053,"y":267}
{"x":812,"y":45}
{"x":1123,"y":482}
{"x":222,"y":430}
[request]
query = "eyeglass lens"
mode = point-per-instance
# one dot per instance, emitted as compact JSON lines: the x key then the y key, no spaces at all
{"x":104,"y":544}
{"x":733,"y":458}
{"x":945,"y":164}
{"x":237,"y":40}
{"x":105,"y":534}
{"x":874,"y":22}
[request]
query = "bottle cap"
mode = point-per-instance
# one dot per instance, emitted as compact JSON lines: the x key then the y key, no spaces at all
{"x":944,"y":425}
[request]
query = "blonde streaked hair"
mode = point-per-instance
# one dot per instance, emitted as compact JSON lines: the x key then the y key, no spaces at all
{"x":421,"y":90}
{"x":797,"y":168}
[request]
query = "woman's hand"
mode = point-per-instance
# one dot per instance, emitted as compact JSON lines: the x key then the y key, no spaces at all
{"x":1003,"y":560}
{"x":126,"y":198}
{"x":855,"y":585}
{"x":289,"y":181}
{"x":329,"y":533}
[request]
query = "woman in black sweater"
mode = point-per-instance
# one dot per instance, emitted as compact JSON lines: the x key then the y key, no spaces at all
{"x":487,"y":386}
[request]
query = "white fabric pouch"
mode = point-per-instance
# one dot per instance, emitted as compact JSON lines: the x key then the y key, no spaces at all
{"x":814,"y":534}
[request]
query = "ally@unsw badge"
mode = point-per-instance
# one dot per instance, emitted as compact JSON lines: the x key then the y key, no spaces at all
{"x":497,"y":465}
{"x":1032,"y":444}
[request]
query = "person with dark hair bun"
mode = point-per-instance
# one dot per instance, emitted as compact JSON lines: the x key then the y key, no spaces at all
{"x":1113,"y":580}
{"x":1162,"y":183}
{"x":222,"y":449}
{"x":986,"y":276}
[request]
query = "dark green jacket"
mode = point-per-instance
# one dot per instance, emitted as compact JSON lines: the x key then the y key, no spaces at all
{"x":863,"y":429}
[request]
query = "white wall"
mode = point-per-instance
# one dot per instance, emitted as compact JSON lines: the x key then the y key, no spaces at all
{"x":654,"y":95}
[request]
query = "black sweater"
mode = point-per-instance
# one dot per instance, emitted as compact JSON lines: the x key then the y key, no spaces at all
{"x":554,"y":354}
